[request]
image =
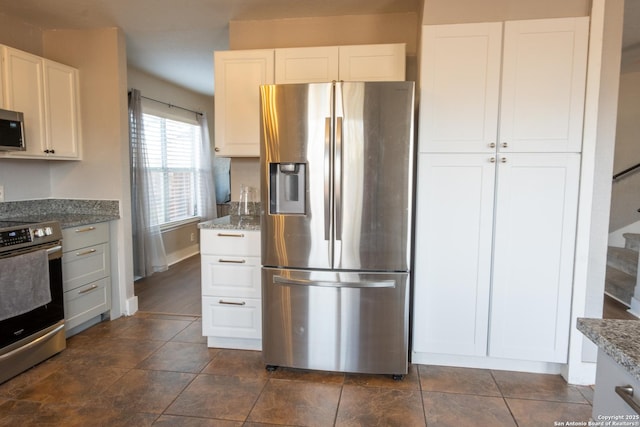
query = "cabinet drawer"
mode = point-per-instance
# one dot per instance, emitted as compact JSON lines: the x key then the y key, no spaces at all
{"x":86,"y":302}
{"x":230,"y":242}
{"x":230,"y":276}
{"x":85,"y":265}
{"x":232,"y":317}
{"x":86,"y":235}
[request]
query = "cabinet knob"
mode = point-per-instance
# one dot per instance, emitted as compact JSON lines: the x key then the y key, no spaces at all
{"x":492,"y":159}
{"x":503,"y":160}
{"x":492,"y":145}
{"x":217,"y":149}
{"x":505,"y":145}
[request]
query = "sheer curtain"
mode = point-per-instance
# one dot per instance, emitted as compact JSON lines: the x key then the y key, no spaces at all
{"x":148,"y":249}
{"x":206,"y":183}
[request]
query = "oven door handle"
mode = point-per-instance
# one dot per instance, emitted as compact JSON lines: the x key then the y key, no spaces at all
{"x":54,"y":249}
{"x":33,"y":343}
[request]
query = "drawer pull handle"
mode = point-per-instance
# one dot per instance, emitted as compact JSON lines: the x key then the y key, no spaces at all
{"x":92,"y":288}
{"x":233,"y":261}
{"x":231,"y":302}
{"x":230,"y":235}
{"x":626,"y":393}
{"x":84,"y":230}
{"x":90,"y":251}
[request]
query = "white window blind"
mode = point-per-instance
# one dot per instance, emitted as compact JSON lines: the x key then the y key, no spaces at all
{"x":173,"y":150}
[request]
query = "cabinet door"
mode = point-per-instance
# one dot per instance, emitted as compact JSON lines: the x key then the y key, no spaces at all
{"x":535,"y":225}
{"x":62,"y":110}
{"x":368,"y":63}
{"x":543,"y":85}
{"x":453,"y":253}
{"x":23,"y":86}
{"x":460,"y":76}
{"x":306,"y":65}
{"x":238,"y":75}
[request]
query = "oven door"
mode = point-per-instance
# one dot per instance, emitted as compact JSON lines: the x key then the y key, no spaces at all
{"x":24,"y":325}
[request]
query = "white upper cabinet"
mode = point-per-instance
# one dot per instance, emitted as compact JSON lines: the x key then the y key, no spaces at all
{"x":23,"y":85}
{"x":306,"y":65}
{"x":238,"y":76}
{"x":47,"y":93}
{"x":369,"y":63}
{"x":523,"y":94}
{"x":543,"y":85}
{"x":461,"y":87}
{"x":239,"y":73}
{"x":62,"y":109}
{"x":378,"y":62}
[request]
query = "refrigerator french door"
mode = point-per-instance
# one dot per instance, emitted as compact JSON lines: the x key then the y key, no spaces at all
{"x":337,"y":175}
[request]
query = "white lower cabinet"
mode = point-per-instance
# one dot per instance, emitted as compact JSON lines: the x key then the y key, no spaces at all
{"x":86,"y":272}
{"x":614,"y":397}
{"x":495,"y":238}
{"x":231,"y":288}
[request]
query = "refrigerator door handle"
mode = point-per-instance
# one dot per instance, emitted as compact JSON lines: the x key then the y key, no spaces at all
{"x":338,"y":178}
{"x":327,"y":178}
{"x":364,"y":284}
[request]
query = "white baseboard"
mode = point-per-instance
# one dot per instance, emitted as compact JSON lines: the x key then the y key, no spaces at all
{"x":635,"y":307}
{"x":182,"y":254}
{"x":485,"y":363}
{"x":131,"y":306}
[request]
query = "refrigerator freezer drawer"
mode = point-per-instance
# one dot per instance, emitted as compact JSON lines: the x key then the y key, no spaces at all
{"x":336,"y":321}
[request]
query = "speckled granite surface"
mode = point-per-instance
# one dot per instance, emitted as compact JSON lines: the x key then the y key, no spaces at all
{"x":232,"y":222}
{"x":69,"y":212}
{"x":619,"y":339}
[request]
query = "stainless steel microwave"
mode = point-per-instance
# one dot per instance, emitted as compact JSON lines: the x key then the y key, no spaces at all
{"x":12,"y":131}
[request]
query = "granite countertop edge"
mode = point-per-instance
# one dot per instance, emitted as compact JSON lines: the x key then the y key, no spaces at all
{"x":619,"y":339}
{"x":77,"y":220}
{"x":68,"y":212}
{"x":232,"y":222}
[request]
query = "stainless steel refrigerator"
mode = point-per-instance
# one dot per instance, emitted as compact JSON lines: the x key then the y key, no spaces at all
{"x":337,"y":196}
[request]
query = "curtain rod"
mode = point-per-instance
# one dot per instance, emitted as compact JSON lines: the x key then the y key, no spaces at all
{"x":171,"y":105}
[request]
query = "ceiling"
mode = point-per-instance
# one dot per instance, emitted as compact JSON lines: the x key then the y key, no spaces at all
{"x":175,"y":40}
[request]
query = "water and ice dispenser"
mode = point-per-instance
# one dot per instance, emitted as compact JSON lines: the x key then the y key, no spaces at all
{"x":287,"y":188}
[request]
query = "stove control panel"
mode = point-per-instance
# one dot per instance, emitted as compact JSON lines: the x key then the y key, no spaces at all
{"x":15,"y":237}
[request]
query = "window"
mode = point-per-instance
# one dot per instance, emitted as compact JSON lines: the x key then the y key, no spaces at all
{"x":173,"y":151}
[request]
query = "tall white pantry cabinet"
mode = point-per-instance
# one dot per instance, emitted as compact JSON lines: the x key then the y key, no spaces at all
{"x":497,"y":192}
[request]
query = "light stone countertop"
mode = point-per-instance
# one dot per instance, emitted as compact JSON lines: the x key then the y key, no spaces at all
{"x":232,"y":222}
{"x":68,"y":212}
{"x":620,"y":339}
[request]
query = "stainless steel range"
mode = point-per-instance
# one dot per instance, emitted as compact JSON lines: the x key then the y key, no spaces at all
{"x":31,"y":295}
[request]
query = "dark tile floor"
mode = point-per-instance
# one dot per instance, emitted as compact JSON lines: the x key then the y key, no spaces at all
{"x":156,"y":370}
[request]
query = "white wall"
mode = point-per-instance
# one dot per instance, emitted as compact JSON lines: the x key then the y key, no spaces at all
{"x":103,"y":173}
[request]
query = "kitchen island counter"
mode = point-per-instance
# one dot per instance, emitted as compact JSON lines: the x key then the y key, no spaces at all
{"x":618,"y":368}
{"x":232,"y":222}
{"x":619,"y":339}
